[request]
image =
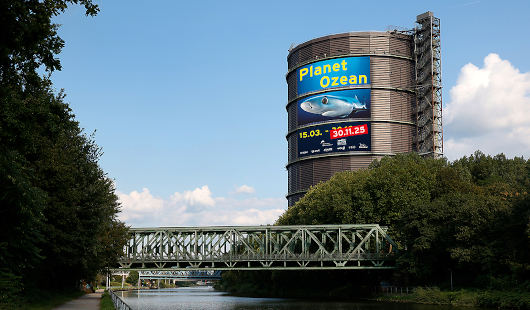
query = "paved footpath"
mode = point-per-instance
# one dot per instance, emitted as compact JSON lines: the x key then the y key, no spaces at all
{"x":85,"y":302}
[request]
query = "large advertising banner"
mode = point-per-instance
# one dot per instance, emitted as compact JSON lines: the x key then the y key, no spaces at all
{"x":333,"y":138}
{"x":333,"y":73}
{"x":332,"y":105}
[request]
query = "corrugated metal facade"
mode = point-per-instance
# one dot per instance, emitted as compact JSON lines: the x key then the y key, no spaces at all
{"x":392,"y":103}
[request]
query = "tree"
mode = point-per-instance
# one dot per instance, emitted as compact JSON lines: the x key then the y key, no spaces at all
{"x":29,"y":38}
{"x":133,"y":278}
{"x":375,"y":195}
{"x":59,"y":209}
{"x":470,"y":216}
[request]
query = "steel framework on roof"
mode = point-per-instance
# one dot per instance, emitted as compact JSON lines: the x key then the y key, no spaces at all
{"x":427,"y":50}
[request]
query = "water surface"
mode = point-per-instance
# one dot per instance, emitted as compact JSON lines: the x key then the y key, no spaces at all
{"x":205,"y":297}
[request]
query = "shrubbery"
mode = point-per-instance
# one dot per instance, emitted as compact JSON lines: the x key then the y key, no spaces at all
{"x":469,"y":218}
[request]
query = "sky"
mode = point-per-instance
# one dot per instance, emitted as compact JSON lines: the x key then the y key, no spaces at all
{"x":187,"y":99}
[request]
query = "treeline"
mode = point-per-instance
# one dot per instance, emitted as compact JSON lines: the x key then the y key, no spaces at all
{"x":58,"y":208}
{"x":470,"y":217}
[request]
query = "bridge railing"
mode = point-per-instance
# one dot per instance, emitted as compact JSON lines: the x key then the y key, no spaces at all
{"x":119,"y":304}
{"x":259,"y":247}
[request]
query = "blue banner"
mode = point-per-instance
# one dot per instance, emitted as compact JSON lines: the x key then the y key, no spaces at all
{"x":335,"y":137}
{"x":333,"y":73}
{"x":341,"y":104}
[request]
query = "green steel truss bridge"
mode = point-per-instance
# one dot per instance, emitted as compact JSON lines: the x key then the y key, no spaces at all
{"x":364,"y":246}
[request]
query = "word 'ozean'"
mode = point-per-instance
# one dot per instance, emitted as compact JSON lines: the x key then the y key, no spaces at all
{"x":326,"y":81}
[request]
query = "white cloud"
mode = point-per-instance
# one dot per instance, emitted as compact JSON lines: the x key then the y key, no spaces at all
{"x":197,"y":208}
{"x":245,"y":189}
{"x":489,"y":110}
{"x":199,"y":196}
{"x":136,"y":204}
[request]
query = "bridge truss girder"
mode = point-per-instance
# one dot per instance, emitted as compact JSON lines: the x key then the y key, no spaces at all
{"x":259,"y":248}
{"x":180,"y":275}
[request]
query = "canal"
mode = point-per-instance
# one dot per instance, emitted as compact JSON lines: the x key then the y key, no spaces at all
{"x":204,"y":297}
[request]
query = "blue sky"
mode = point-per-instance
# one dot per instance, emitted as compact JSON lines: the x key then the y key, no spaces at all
{"x":188,"y":98}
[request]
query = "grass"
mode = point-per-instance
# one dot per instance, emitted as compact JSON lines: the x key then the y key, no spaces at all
{"x":106,"y":302}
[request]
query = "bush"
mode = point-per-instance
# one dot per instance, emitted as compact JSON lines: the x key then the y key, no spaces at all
{"x":431,"y":295}
{"x":499,"y":299}
{"x":489,"y":299}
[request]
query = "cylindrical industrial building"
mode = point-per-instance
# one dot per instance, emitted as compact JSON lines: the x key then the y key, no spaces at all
{"x":351,"y":99}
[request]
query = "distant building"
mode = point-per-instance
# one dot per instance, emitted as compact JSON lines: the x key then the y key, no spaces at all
{"x":358,"y":96}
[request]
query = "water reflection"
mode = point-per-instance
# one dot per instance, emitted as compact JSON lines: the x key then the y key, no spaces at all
{"x":209,"y":299}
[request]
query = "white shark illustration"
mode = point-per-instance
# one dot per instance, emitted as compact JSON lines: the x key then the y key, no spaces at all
{"x":332,"y":106}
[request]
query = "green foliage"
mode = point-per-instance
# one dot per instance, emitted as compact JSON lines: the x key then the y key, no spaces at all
{"x":486,"y":170}
{"x":132,"y":278}
{"x":377,"y":195}
{"x":470,"y":217}
{"x":10,"y":287}
{"x":490,"y":299}
{"x":29,"y":39}
{"x":60,"y":205}
{"x":433,"y":296}
{"x":58,"y":212}
{"x":504,"y":300}
{"x":106,"y":302}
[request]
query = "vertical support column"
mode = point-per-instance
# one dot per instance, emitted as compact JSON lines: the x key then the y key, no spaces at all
{"x":143,"y":247}
{"x":377,"y":245}
{"x":195,"y":244}
{"x":323,"y":247}
{"x":267,"y":246}
{"x":339,"y":235}
{"x":203,"y":244}
{"x":303,"y":242}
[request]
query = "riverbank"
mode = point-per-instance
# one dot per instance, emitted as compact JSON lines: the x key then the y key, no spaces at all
{"x":434,"y":296}
{"x":463,"y":297}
